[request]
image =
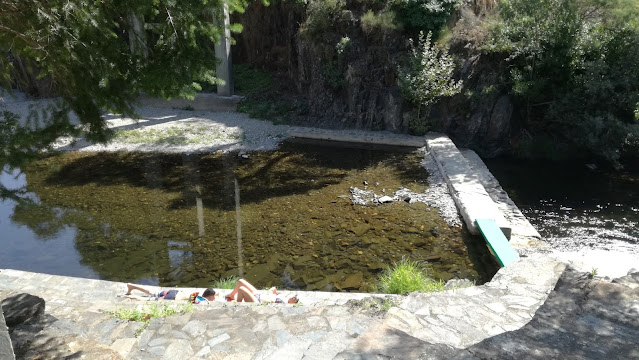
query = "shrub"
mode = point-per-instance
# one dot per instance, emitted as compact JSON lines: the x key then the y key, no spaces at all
{"x":381,"y":23}
{"x":267,"y":106}
{"x":322,"y":15}
{"x":407,"y":276}
{"x":427,"y":77}
{"x":333,"y":75}
{"x":341,"y":46}
{"x":248,"y":80}
{"x":572,"y":70}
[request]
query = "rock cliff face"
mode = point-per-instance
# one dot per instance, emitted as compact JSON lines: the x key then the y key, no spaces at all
{"x":351,"y":86}
{"x":483,"y":118}
{"x":347,"y":76}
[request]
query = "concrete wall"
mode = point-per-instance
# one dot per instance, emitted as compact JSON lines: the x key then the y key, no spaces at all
{"x":204,"y":101}
{"x":473,"y":202}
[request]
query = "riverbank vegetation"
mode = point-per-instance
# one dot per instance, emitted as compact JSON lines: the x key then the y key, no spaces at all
{"x":573,"y":68}
{"x":553,"y":79}
{"x":550,"y":79}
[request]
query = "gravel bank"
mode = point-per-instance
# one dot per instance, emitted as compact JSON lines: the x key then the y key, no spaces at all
{"x":167,"y":130}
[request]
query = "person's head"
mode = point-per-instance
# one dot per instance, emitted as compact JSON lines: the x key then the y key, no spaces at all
{"x":293,"y":300}
{"x":209,"y":294}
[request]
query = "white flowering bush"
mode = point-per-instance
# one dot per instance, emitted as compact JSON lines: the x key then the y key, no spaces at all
{"x":427,"y":76}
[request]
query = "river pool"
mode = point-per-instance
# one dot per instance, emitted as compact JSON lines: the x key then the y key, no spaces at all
{"x":172,"y":219}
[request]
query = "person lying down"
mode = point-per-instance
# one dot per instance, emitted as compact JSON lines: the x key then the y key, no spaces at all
{"x":171,"y":294}
{"x":243,"y":292}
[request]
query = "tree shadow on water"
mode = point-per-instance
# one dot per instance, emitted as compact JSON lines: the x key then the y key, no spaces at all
{"x":293,"y":169}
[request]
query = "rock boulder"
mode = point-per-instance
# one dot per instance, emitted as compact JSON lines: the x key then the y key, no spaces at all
{"x":22,"y":307}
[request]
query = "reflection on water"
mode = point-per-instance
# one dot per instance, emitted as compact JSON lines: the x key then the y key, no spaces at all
{"x":175,"y":219}
{"x":572,"y":206}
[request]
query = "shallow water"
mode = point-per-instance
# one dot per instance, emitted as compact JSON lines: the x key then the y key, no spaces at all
{"x":171,"y":219}
{"x":572,"y":206}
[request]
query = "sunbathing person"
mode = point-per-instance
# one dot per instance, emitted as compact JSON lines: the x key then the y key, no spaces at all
{"x":172,"y":294}
{"x":246,"y":292}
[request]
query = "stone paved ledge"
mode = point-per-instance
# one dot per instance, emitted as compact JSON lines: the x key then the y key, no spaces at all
{"x":325,"y":327}
{"x":524,"y":237}
{"x":473,"y":202}
{"x":583,"y":318}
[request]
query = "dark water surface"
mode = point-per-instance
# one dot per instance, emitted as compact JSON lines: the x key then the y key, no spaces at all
{"x":572,"y":206}
{"x":170,"y":219}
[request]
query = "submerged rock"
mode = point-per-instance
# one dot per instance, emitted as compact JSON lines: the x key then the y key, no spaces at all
{"x":359,"y":229}
{"x":353,"y":281}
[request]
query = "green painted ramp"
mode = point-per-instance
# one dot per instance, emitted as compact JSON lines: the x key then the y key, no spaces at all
{"x":497,"y":242}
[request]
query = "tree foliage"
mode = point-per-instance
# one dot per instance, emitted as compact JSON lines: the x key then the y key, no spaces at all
{"x":424,"y":15}
{"x":84,"y":47}
{"x":574,"y":68}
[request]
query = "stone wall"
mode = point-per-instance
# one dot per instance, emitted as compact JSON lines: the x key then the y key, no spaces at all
{"x":6,"y":349}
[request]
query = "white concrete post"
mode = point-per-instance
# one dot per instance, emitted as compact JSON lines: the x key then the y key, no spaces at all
{"x":137,"y":36}
{"x":223,"y":70}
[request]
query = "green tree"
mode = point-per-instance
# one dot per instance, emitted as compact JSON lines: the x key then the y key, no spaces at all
{"x":573,"y":69}
{"x":98,"y":60}
{"x":427,"y":77}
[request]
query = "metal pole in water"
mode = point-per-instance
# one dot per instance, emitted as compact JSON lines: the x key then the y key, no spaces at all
{"x":238,"y":222}
{"x":200,"y":209}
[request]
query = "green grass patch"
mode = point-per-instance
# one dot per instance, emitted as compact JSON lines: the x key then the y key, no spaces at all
{"x":407,"y":276}
{"x":226,"y":283}
{"x":149,"y":311}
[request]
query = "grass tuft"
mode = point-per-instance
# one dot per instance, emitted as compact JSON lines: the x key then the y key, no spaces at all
{"x":407,"y":276}
{"x":225,"y":283}
{"x":147,"y":312}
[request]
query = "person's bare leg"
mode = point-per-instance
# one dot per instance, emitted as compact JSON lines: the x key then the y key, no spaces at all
{"x":239,"y":284}
{"x":248,"y":286}
{"x":234,"y":292}
{"x":245,"y":294}
{"x":130,"y":287}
